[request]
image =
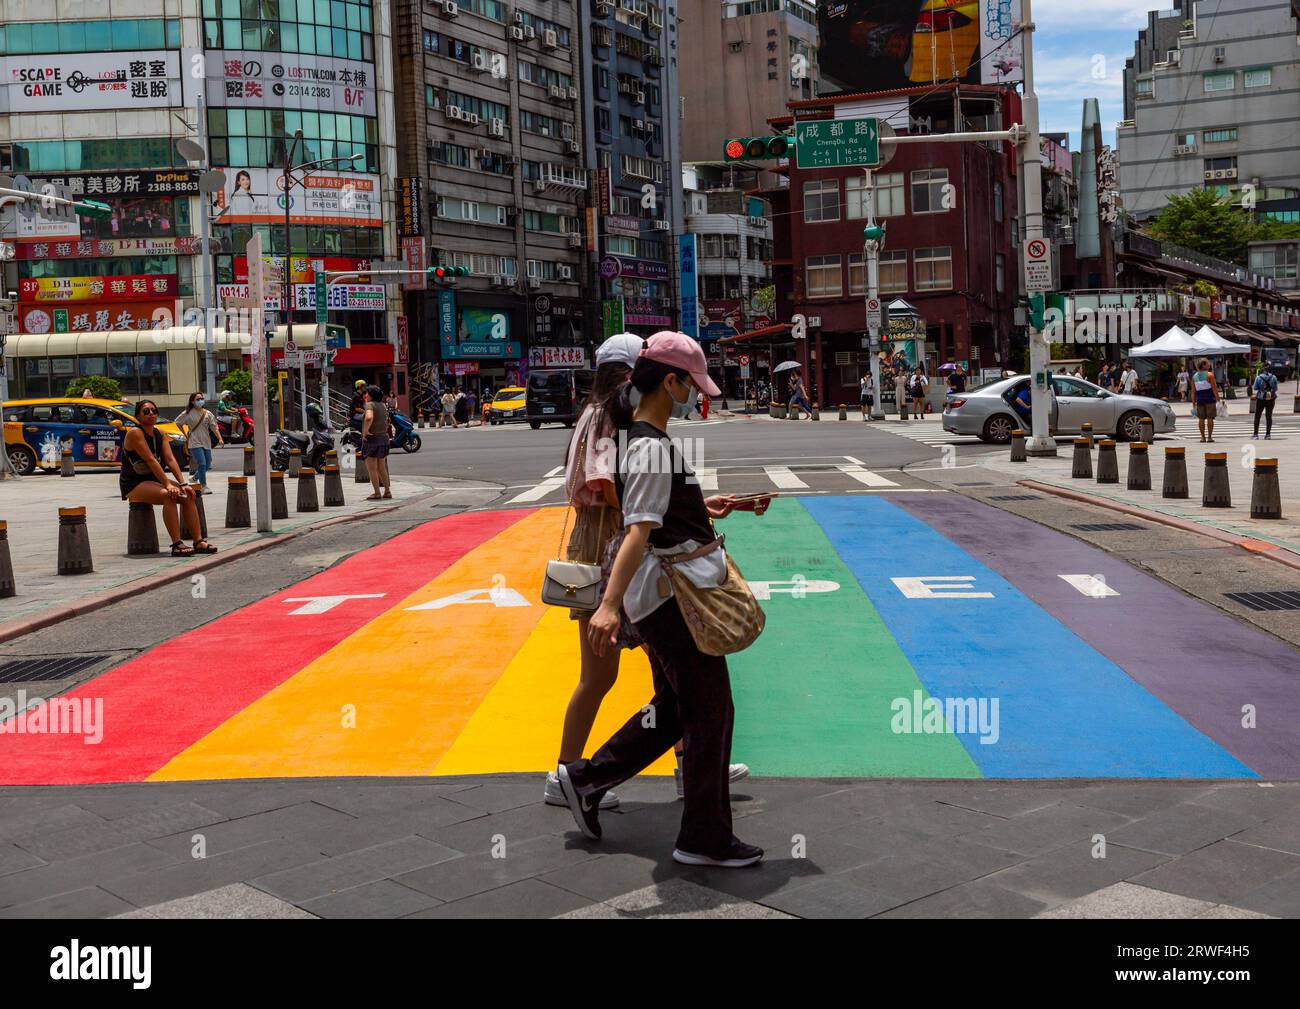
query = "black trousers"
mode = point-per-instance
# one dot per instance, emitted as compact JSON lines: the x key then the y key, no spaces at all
{"x":1264,"y":406}
{"x":692,"y":702}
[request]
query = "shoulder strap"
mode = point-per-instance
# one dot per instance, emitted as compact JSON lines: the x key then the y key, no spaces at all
{"x":708,"y":548}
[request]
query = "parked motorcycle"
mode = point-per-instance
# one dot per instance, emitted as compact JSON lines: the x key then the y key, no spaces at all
{"x":312,"y":444}
{"x":404,"y":437}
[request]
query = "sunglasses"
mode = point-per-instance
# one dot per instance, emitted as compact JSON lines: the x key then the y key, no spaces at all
{"x":148,"y":413}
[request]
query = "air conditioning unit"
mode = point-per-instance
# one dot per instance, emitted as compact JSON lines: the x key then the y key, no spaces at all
{"x":499,"y":280}
{"x":550,"y":39}
{"x":639,"y":98}
{"x":519,"y":18}
{"x":1209,"y":175}
{"x":470,"y":117}
{"x":478,"y":61}
{"x":449,"y":8}
{"x":1229,"y":173}
{"x":539,"y":185}
{"x":1218,"y":173}
{"x":533,"y":283}
{"x":566,"y":273}
{"x":656,"y":60}
{"x":1220,"y":54}
{"x":454,"y":112}
{"x":497,"y":127}
{"x":604,"y":8}
{"x":638,"y":124}
{"x":1175,"y":56}
{"x":555,"y":91}
{"x":530,"y":32}
{"x":483,"y":153}
{"x":735,"y":293}
{"x":516,"y":33}
{"x":573,"y":147}
{"x":575,"y":240}
{"x":661,"y":225}
{"x":573,"y":94}
{"x":1181,"y":149}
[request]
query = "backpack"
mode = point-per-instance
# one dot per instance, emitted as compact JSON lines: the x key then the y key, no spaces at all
{"x":1269,"y":391}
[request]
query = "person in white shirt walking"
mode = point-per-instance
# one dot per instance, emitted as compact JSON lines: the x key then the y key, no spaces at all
{"x":867,"y":395}
{"x":1129,"y":380}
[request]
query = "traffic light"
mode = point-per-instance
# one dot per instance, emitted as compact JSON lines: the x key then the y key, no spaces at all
{"x":758,"y":148}
{"x":447,"y":273}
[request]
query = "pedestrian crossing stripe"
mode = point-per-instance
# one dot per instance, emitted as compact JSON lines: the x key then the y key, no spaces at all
{"x":449,"y":664}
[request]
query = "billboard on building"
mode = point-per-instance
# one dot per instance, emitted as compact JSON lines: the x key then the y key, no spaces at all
{"x":249,"y":79}
{"x":254,"y":196}
{"x":879,"y":45}
{"x":70,"y":82}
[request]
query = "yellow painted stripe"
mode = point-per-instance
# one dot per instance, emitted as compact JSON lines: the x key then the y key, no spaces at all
{"x":414,"y":679}
{"x":517,"y":727}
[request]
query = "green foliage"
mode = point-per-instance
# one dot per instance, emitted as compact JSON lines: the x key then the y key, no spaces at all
{"x":99,"y":386}
{"x":765,"y":299}
{"x":1202,"y":221}
{"x":1204,"y":289}
{"x":240,"y":383}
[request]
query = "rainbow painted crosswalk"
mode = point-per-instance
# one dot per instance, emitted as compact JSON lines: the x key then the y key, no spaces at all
{"x":905,"y":638}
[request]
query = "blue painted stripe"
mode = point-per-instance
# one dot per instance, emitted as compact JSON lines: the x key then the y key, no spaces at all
{"x":1065,"y":710}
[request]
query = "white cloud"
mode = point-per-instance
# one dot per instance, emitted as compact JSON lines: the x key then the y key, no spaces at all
{"x":1099,"y":15}
{"x":1058,"y":75}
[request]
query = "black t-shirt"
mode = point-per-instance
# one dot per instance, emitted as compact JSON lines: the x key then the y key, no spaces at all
{"x":687,"y":518}
{"x":958,"y":383}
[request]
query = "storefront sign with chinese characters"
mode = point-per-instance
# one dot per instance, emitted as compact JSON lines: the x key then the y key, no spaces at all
{"x":557,"y":357}
{"x":67,"y":82}
{"x":254,"y":196}
{"x":65,"y":289}
{"x":410,"y":208}
{"x":290,"y":80}
{"x":96,"y":248}
{"x":97,"y":318}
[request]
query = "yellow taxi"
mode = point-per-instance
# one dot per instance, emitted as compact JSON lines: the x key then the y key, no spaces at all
{"x":506,"y":405}
{"x":38,"y":430}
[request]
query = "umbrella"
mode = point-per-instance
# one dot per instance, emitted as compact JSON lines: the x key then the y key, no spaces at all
{"x":948,"y":367}
{"x":786,"y":366}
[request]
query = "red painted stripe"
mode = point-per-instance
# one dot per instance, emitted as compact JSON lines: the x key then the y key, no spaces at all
{"x":169,"y":698}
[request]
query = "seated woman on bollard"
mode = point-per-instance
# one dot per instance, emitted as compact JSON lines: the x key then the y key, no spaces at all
{"x":146,"y":457}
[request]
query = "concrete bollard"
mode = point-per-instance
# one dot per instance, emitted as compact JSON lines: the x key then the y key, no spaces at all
{"x":360,"y":474}
{"x":1295,"y":405}
{"x":1175,"y":480}
{"x":279,"y":500}
{"x":1216,"y":492}
{"x":1082,"y":467}
{"x":186,"y":532}
{"x":333,"y":488}
{"x":331,"y":457}
{"x":1018,"y":446}
{"x":307,"y":490}
{"x":250,"y":461}
{"x":74,"y":543}
{"x":66,"y":466}
{"x":1265,"y":493}
{"x":776,"y":410}
{"x":237,"y":516}
{"x":7,"y":586}
{"x":816,"y":411}
{"x":1107,"y":461}
{"x":1146,"y":430}
{"x":1139,"y":466}
{"x":141,"y":530}
{"x":1085,"y":431}
{"x":844,"y":414}
{"x":295,"y":461}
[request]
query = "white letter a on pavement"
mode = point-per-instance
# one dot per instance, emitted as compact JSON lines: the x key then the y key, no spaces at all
{"x":473,"y":597}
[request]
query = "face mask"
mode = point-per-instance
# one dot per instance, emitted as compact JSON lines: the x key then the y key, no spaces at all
{"x":682,"y":409}
{"x":200,"y":402}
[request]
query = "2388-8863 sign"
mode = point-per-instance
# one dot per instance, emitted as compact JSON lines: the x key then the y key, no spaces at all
{"x":837,"y":143}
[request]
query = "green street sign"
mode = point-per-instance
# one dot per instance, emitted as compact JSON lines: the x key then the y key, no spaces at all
{"x":612,"y":316}
{"x":837,"y":143}
{"x":322,"y":299}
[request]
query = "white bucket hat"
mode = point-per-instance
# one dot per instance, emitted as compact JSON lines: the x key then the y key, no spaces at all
{"x":621,"y":348}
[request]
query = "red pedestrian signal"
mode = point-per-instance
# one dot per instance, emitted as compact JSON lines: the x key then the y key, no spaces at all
{"x":758,"y":148}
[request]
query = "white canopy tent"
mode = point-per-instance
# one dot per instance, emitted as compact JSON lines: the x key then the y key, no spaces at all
{"x":1179,"y":343}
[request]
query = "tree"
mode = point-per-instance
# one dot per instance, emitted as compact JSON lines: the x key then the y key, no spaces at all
{"x":765,"y":299}
{"x":239,"y":382}
{"x":1205,"y":223}
{"x":99,"y":386}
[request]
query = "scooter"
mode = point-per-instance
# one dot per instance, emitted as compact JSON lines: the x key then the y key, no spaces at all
{"x":236,"y":425}
{"x":404,"y":438}
{"x":313,"y":445}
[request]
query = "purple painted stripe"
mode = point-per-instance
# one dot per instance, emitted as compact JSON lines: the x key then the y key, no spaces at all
{"x":1203,"y":663}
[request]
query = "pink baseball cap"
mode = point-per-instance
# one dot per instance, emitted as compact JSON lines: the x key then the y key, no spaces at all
{"x":677,"y":350}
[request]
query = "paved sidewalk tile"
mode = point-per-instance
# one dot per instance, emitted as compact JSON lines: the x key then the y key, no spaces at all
{"x":91,"y":902}
{"x":1127,"y":900}
{"x":528,"y":898}
{"x":366,"y":865}
{"x":1222,"y":872}
{"x":380,"y":899}
{"x":238,"y":900}
{"x":1180,"y":829}
{"x":139,"y":826}
{"x":678,"y":898}
{"x":1072,"y":871}
{"x":980,"y":898}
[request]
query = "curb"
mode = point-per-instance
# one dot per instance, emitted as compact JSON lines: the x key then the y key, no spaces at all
{"x":1260,"y":548}
{"x":18,"y":628}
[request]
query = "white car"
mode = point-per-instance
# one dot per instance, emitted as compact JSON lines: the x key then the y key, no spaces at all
{"x":987,"y":412}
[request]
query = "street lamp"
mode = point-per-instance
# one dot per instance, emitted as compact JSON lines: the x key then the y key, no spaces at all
{"x":288,"y":182}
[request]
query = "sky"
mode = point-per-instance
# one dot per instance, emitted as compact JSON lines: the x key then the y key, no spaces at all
{"x":1079,"y":51}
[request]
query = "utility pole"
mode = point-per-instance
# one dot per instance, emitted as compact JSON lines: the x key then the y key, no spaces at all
{"x":873,"y":239}
{"x":205,"y":255}
{"x":1041,"y":443}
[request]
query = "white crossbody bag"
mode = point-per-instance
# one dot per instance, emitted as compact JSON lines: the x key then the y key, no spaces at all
{"x":573,"y":584}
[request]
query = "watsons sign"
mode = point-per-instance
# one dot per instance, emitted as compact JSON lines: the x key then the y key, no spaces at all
{"x":66,"y":82}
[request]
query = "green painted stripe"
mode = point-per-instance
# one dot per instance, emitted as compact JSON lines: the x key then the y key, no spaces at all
{"x":813,"y":693}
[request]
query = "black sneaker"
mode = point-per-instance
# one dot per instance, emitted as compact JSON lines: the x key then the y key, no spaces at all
{"x":586,"y":812}
{"x":737,"y":856}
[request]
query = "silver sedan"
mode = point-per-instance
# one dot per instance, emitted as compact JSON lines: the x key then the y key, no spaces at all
{"x":988,"y":413}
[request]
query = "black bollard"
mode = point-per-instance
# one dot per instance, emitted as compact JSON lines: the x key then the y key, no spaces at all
{"x":1139,"y":466}
{"x":1175,"y":480}
{"x":307,"y":490}
{"x":141,"y":530}
{"x":66,"y":466}
{"x":7,"y":586}
{"x":295,"y":461}
{"x":74,"y":543}
{"x":250,"y":461}
{"x":1085,"y":430}
{"x":360,"y":473}
{"x":1082,"y":467}
{"x":237,"y":516}
{"x":186,"y":532}
{"x":1216,"y":493}
{"x":279,"y":500}
{"x":1265,"y":492}
{"x":1146,"y":430}
{"x":1018,"y":446}
{"x":333,"y":488}
{"x":1107,"y":462}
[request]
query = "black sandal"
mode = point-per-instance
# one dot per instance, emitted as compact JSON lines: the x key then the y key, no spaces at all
{"x":204,"y":547}
{"x":179,"y":549}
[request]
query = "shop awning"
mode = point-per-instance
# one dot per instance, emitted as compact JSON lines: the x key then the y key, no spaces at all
{"x":767,"y":332}
{"x":1253,"y":334}
{"x":1282,"y":336}
{"x":127,"y":341}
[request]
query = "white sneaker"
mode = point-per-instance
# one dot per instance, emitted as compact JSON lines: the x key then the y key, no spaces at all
{"x":554,"y":794}
{"x":735,"y":772}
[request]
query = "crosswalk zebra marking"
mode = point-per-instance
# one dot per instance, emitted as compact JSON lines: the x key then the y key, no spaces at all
{"x":543,"y":488}
{"x":864,"y":476}
{"x":784,"y":478}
